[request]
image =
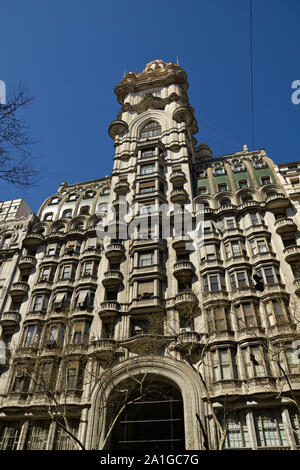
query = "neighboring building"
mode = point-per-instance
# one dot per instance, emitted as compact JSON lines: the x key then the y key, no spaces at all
{"x":13,"y":209}
{"x":92,"y":292}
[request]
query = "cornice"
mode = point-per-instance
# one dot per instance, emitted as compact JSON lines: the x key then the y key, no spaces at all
{"x":132,"y":82}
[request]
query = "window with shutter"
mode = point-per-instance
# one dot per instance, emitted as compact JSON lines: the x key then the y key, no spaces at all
{"x":145,"y":287}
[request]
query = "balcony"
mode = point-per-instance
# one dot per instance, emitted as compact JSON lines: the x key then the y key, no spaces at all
{"x":263,"y":256}
{"x":215,"y":296}
{"x":146,"y":343}
{"x":250,"y":332}
{"x":19,"y":289}
{"x":112,"y":278}
{"x":292,"y":253}
{"x":105,"y":349}
{"x":65,"y":283}
{"x":237,"y":259}
{"x":10,"y":319}
{"x":114,"y":251}
{"x":275,"y":201}
{"x":232,"y":232}
{"x":187,"y":342}
{"x":178,"y":195}
{"x":109,"y":308}
{"x":271,"y":289}
{"x":243,"y":290}
{"x":146,"y":303}
{"x":34,"y":239}
{"x":183,"y":269}
{"x":121,"y":187}
{"x":210,"y":263}
{"x":262,"y":384}
{"x":27,"y":352}
{"x":258,"y":228}
{"x":180,"y":241}
{"x":285,"y":225}
{"x":220,"y":336}
{"x":226,"y":208}
{"x":75,"y":233}
{"x":284,"y":329}
{"x":36,"y":315}
{"x":55,"y":236}
{"x":245,"y":206}
{"x":177,"y":177}
{"x":76,"y":348}
{"x":117,"y":127}
{"x":227,"y":387}
{"x":27,"y":263}
{"x":154,"y":269}
{"x":185,"y":298}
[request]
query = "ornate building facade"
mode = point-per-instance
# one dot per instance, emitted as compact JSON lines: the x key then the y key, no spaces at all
{"x":111,"y":288}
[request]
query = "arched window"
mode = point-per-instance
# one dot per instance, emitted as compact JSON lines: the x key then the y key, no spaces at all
{"x":85,"y":210}
{"x":152,"y":129}
{"x":48,"y":216}
{"x":153,"y":422}
{"x":67,"y":213}
{"x":225,"y":202}
{"x":247,"y":198}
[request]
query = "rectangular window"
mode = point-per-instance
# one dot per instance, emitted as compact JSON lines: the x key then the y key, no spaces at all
{"x":64,"y":441}
{"x":222,"y":187}
{"x":230,"y":223}
{"x":269,"y":428}
{"x":243,"y":184}
{"x":147,"y":187}
{"x":266,"y":180}
{"x":148,"y":153}
{"x":236,"y":251}
{"x":66,"y":272}
{"x":37,"y":434}
{"x":237,"y":435}
{"x":9,"y":436}
{"x":81,"y":330}
{"x":254,"y":218}
{"x":262,"y":246}
{"x":44,"y":380}
{"x":254,"y":362}
{"x":221,"y":364}
{"x":269,"y":276}
{"x":241,"y":278}
{"x":214,"y":283}
{"x":32,"y":336}
{"x":295,"y":420}
{"x":38,"y":303}
{"x":147,"y":169}
{"x":145,"y":258}
{"x":145,"y":288}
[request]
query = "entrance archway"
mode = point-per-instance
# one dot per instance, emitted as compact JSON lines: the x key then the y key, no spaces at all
{"x":155,"y":422}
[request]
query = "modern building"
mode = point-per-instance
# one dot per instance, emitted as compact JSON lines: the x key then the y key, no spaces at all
{"x":158,"y":307}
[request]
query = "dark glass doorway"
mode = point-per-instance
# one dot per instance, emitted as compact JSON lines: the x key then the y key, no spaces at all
{"x":155,"y":423}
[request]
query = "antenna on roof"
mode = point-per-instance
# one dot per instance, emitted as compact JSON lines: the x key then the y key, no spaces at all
{"x":124,"y":73}
{"x":177,"y":60}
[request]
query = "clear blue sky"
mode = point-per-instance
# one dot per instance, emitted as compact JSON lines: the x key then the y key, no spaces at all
{"x":71,"y":54}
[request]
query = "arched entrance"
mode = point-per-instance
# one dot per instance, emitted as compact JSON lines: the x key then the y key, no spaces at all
{"x":154,"y":422}
{"x":183,"y":384}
